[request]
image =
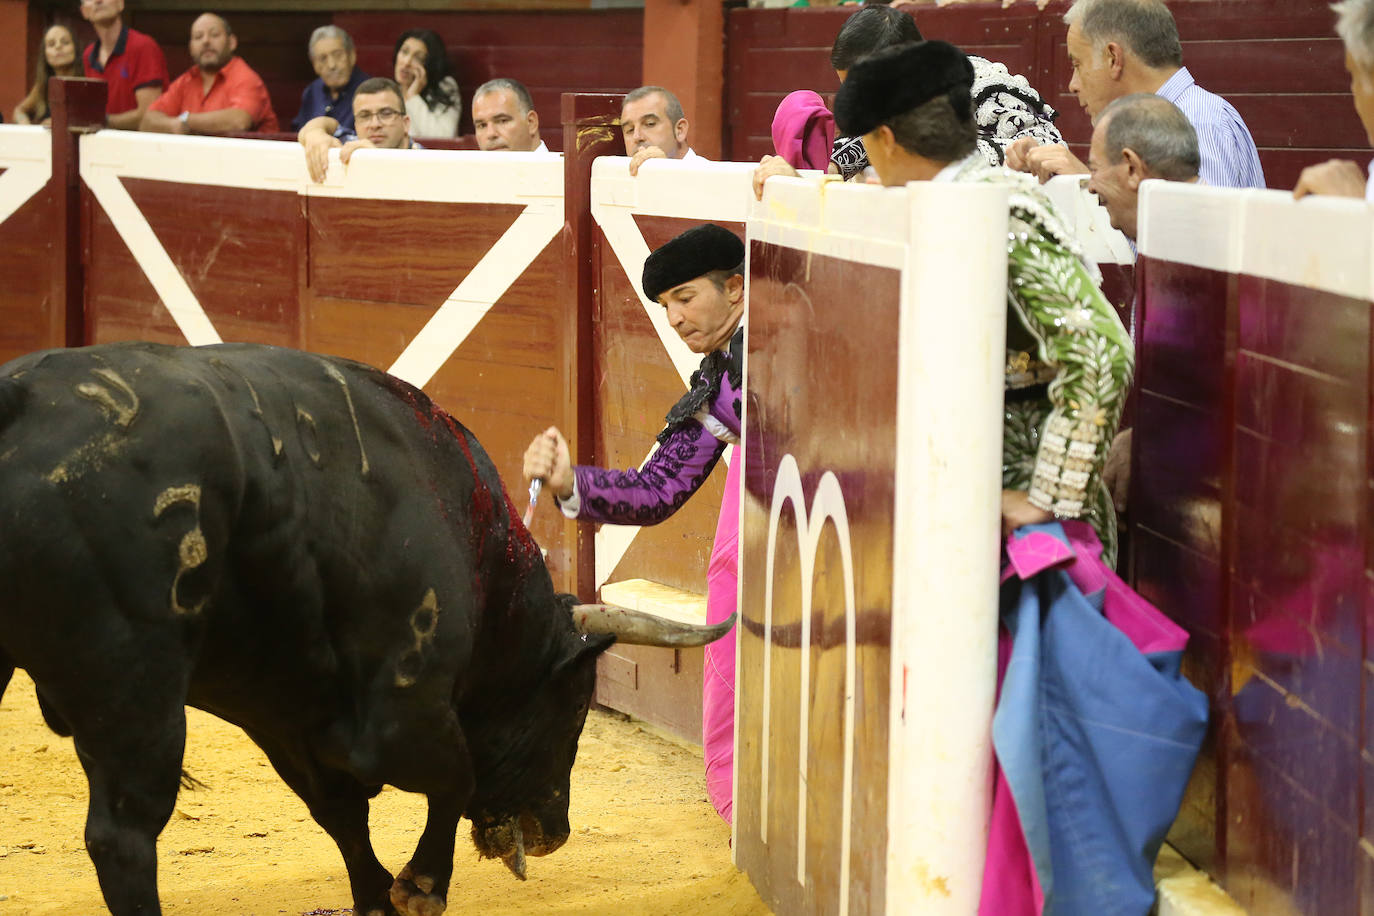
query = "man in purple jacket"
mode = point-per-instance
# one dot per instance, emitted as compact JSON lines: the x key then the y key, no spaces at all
{"x":698,"y":278}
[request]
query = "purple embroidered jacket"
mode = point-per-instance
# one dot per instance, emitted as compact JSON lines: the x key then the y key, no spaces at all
{"x":698,"y":428}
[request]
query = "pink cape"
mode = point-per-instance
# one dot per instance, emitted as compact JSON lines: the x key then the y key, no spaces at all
{"x":804,"y":130}
{"x":718,"y":674}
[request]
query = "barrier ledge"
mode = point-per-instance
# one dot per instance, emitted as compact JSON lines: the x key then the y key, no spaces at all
{"x":656,"y":598}
{"x":697,"y":189}
{"x":1317,"y":242}
{"x":250,"y":164}
{"x":447,"y":176}
{"x":1192,"y":224}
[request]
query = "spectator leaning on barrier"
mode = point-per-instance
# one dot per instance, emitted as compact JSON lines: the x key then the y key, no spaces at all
{"x":57,"y":58}
{"x":1121,"y":47}
{"x":220,"y":94}
{"x":131,"y":64}
{"x":1068,"y":359}
{"x":504,"y":118}
{"x":1341,"y":177}
{"x":1138,"y":137}
{"x":380,"y":121}
{"x":654,"y":127}
{"x":422,"y":69}
{"x":335,"y":60}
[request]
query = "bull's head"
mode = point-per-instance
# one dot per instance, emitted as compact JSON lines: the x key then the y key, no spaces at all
{"x":528,"y":815}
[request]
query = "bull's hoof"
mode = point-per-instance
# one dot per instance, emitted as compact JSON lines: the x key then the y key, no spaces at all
{"x":410,"y":895}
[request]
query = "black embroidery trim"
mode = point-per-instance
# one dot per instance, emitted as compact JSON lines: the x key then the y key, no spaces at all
{"x":849,"y":156}
{"x":671,"y":462}
{"x":705,"y":385}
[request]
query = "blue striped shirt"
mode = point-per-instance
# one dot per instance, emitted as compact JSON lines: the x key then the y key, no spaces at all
{"x":1229,"y":157}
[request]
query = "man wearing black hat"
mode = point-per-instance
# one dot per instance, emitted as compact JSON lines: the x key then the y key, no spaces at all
{"x":698,"y":278}
{"x":1069,"y":360}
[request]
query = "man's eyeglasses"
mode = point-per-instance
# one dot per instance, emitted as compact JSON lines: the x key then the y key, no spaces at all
{"x":383,"y":116}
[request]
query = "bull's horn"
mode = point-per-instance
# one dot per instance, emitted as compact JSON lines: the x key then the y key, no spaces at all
{"x":640,"y":629}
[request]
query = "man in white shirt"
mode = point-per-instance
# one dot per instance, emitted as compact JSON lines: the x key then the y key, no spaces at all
{"x":503,"y":117}
{"x":654,"y":127}
{"x":1120,"y":47}
{"x":1341,"y":177}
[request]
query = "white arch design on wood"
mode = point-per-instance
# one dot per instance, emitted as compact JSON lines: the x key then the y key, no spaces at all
{"x":828,"y":505}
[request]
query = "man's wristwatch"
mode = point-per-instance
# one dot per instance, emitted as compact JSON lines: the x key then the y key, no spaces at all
{"x":184,"y":118}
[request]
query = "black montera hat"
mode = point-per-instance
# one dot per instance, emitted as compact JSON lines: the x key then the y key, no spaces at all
{"x":897,"y":79}
{"x":697,"y":251}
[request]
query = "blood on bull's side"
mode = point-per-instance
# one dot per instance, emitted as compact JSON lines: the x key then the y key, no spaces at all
{"x":312,"y":550}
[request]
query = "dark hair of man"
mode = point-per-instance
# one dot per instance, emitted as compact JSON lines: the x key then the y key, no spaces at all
{"x":228,"y":29}
{"x":436,"y":67}
{"x":941,"y":129}
{"x":522,"y":95}
{"x":674,"y":107}
{"x":382,"y":84}
{"x":871,"y":29}
{"x":1157,"y":131}
{"x":1146,"y":28}
{"x":718,"y":277}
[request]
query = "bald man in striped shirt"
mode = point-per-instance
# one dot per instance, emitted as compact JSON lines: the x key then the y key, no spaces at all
{"x":1121,"y":47}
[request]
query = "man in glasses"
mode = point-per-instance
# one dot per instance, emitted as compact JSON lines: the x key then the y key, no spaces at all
{"x":379,"y":121}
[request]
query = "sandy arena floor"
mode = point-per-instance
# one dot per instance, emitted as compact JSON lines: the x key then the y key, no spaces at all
{"x":644,"y":840}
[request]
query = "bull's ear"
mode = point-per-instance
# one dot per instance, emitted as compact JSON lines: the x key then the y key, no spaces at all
{"x":584,"y":651}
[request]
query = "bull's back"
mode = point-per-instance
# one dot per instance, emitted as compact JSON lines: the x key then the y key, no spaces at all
{"x":249,"y":481}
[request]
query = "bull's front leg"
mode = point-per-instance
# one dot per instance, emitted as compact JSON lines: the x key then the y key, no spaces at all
{"x":421,"y":889}
{"x":339,"y":804}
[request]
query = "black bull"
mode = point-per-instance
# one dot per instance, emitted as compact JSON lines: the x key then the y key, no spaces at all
{"x":312,"y":550}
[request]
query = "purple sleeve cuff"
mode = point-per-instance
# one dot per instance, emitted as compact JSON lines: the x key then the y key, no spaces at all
{"x":655,"y":491}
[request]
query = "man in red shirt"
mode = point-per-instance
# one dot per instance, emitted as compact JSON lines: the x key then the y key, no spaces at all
{"x":130,"y":63}
{"x":220,"y":94}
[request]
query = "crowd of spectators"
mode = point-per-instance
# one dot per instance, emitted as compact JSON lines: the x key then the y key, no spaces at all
{"x":1118,"y":49}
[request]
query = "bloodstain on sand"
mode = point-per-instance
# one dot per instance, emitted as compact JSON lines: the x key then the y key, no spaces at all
{"x":644,"y":838}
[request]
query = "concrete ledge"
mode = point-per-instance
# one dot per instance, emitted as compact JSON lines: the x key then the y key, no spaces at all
{"x":657,"y":599}
{"x":1185,"y":891}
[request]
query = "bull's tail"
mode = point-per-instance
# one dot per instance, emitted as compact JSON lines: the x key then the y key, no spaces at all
{"x":6,"y":672}
{"x":12,"y":393}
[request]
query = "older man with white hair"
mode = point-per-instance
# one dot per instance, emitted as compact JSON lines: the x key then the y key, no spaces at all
{"x":335,"y":60}
{"x":1341,"y":177}
{"x":1120,"y":47}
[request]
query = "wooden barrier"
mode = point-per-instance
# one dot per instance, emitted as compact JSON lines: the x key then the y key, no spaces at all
{"x":1251,"y":526}
{"x":869,"y":515}
{"x":439,"y":266}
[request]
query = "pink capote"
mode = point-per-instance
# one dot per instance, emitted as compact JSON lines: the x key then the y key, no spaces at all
{"x":1010,"y":884}
{"x":804,"y":130}
{"x":718,"y":674}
